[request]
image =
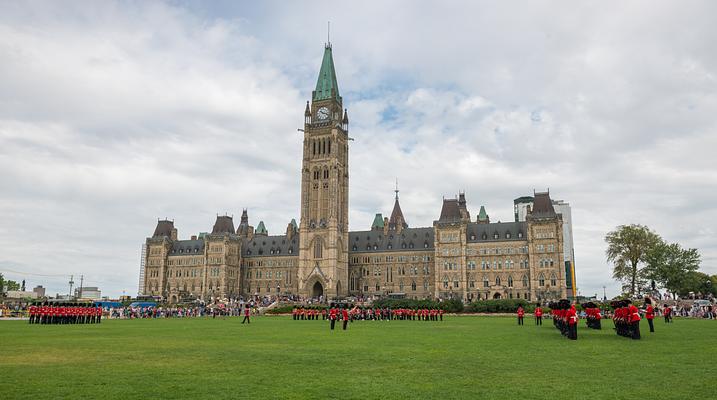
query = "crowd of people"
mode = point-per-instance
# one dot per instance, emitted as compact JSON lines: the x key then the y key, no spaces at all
{"x":212,"y":310}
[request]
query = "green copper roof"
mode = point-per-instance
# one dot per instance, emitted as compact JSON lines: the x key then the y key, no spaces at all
{"x":293,"y":224}
{"x":482,"y":215}
{"x":377,"y":222}
{"x":261,"y":229}
{"x":326,"y":85}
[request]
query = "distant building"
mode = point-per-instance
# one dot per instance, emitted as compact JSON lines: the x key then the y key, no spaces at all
{"x":522,"y":206}
{"x":88,"y":293}
{"x":20,"y":294}
{"x":39,"y":291}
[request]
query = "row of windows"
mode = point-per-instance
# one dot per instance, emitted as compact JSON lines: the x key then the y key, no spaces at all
{"x":498,"y":251}
{"x":186,"y":261}
{"x":390,"y":246}
{"x":271,"y":263}
{"x":321,"y":146}
{"x":541,"y":248}
{"x":389,"y":259}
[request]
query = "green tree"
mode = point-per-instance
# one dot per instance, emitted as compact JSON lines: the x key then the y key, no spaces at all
{"x":12,"y":285}
{"x":627,"y":248}
{"x":2,"y":285}
{"x":670,"y":265}
{"x":696,"y":282}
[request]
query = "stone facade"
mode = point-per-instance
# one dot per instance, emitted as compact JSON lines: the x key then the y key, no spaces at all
{"x":454,"y":258}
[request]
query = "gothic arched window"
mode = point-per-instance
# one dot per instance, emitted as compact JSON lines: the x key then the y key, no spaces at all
{"x":317,"y":248}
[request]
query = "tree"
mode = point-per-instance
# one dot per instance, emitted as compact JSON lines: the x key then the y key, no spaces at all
{"x":670,"y":265}
{"x":2,"y":285}
{"x":627,"y":248}
{"x":12,"y":285}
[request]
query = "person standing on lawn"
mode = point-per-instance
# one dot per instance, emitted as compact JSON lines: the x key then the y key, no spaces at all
{"x":345,"y":315}
{"x":247,"y":314}
{"x":649,"y":313}
{"x":521,"y":313}
{"x":538,"y":315}
{"x":332,"y":316}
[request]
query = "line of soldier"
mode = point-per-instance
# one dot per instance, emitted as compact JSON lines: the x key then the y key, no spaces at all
{"x":626,"y":318}
{"x":592,"y":315}
{"x":373,"y":314}
{"x":565,"y":318}
{"x":311,"y":314}
{"x":65,"y":313}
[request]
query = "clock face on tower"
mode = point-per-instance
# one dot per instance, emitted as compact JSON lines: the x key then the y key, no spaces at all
{"x":322,"y":114}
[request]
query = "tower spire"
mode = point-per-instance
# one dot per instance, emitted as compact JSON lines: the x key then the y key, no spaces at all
{"x":396,"y":189}
{"x":328,"y":33}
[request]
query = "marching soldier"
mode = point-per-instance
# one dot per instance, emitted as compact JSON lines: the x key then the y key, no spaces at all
{"x":649,"y":313}
{"x":667,"y":313}
{"x":572,"y":323}
{"x":345,"y":315}
{"x":633,"y":315}
{"x":332,"y":316}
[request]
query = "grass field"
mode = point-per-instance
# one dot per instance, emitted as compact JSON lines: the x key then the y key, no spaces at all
{"x":277,"y":358}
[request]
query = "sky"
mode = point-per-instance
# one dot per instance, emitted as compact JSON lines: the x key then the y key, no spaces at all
{"x":115,"y":114}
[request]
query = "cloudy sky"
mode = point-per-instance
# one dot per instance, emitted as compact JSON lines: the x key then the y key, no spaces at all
{"x":115,"y":114}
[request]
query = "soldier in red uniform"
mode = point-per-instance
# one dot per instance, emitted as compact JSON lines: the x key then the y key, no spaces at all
{"x":247,"y":314}
{"x":667,"y":313}
{"x":521,"y":313}
{"x":538,"y":315}
{"x":332,"y":316}
{"x":345,"y":315}
{"x":649,"y":313}
{"x":572,"y":323}
{"x":633,"y":316}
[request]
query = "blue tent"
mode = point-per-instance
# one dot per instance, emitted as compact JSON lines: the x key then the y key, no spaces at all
{"x":143,"y":304}
{"x":108,"y":304}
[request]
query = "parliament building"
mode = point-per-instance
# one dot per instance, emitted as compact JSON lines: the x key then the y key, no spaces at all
{"x":458,"y":257}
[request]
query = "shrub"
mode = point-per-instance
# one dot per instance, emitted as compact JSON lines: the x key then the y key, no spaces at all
{"x":499,"y":306}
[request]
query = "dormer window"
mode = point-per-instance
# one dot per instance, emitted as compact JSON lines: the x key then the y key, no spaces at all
{"x":390,"y":246}
{"x":484,"y":237}
{"x":507,"y":235}
{"x":425,"y":245}
{"x":520,"y":234}
{"x":291,"y":250}
{"x":354,"y":248}
{"x":495,"y":235}
{"x":403,"y":245}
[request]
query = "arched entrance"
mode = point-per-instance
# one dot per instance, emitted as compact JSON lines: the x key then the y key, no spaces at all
{"x":496,"y":296}
{"x":317,"y":290}
{"x":338,"y":288}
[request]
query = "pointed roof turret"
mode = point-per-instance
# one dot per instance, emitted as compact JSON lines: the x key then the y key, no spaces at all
{"x":397,"y":215}
{"x":346,"y":116}
{"x":261,"y":229}
{"x":294,"y":225}
{"x":483,"y":216}
{"x":307,"y":112}
{"x":377,"y":222}
{"x":326,"y":86}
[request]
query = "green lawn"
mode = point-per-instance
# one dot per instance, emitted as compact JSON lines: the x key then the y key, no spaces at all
{"x":275,"y":357}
